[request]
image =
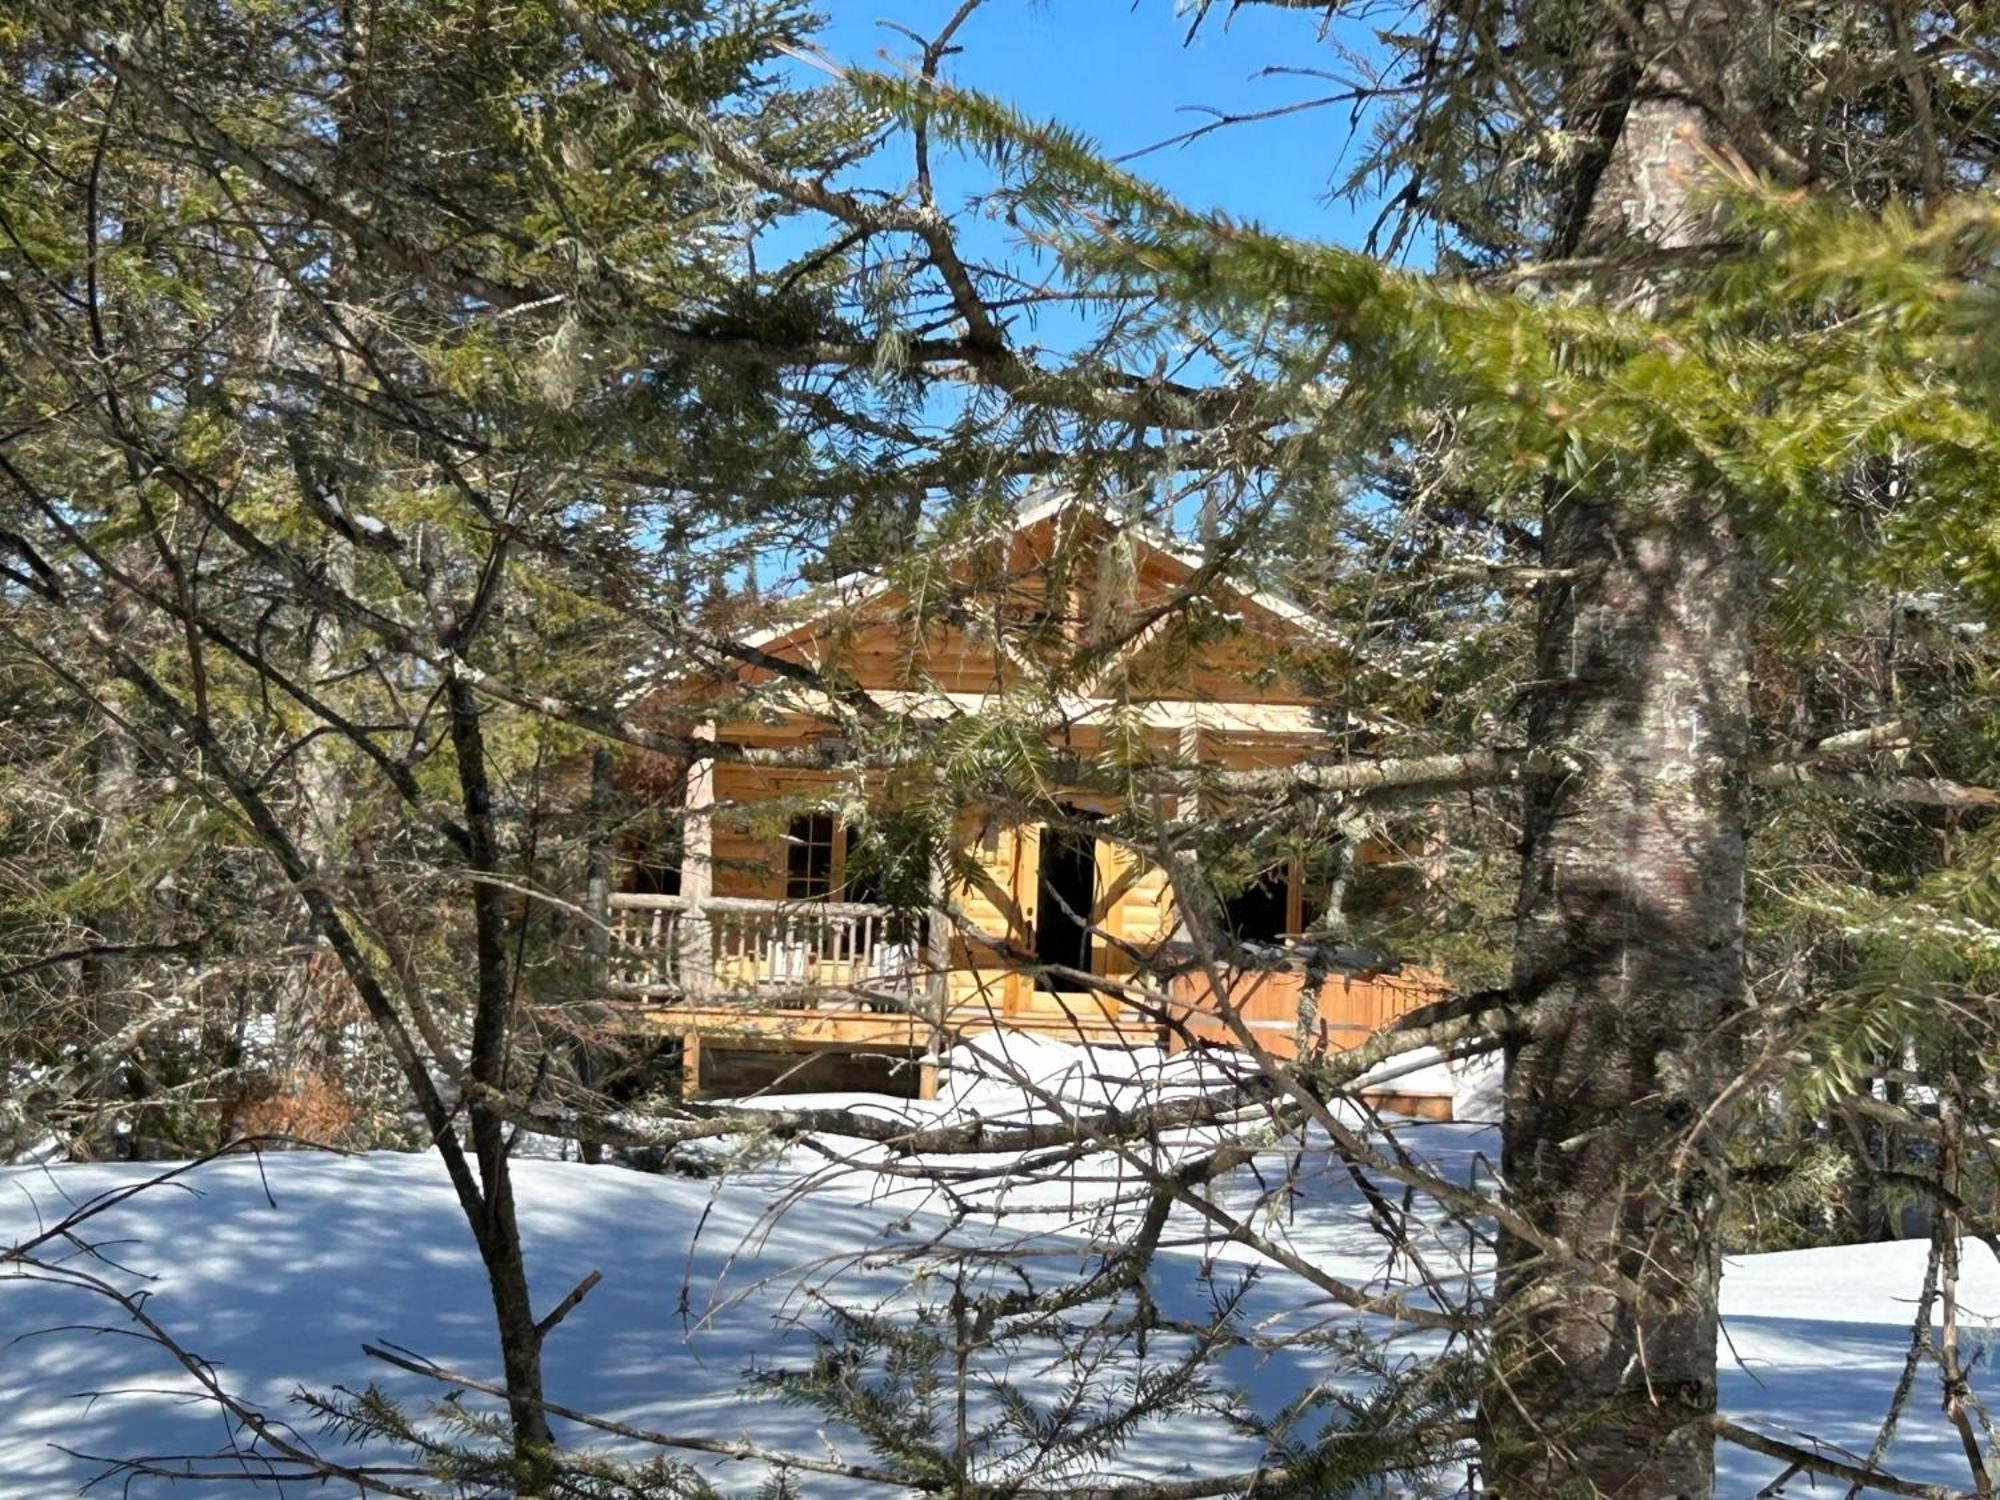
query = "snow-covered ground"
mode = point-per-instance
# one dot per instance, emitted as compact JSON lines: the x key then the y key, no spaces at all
{"x":279,"y":1271}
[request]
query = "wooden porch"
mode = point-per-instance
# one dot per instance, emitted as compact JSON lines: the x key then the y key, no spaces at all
{"x":821,"y":975}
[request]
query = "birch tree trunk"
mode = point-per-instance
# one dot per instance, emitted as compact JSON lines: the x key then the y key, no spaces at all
{"x":1628,"y":971}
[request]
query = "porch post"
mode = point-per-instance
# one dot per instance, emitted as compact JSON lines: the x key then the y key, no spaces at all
{"x":697,"y":966}
{"x":691,"y":1065}
{"x":1185,"y":803}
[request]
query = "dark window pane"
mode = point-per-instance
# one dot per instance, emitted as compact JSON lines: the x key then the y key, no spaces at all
{"x":652,"y":862}
{"x":1258,"y":912}
{"x":656,"y":877}
{"x":809,"y":857}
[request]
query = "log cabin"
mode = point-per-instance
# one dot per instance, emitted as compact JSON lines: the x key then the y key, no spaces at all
{"x":753,"y":929}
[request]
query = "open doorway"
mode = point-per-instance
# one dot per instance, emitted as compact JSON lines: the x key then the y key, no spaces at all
{"x":1066,"y":891}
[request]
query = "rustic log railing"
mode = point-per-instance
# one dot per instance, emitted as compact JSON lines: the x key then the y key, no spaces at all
{"x":811,"y":952}
{"x":770,"y":959}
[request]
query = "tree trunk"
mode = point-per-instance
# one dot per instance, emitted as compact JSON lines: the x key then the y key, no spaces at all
{"x":598,"y":901}
{"x":298,"y":993}
{"x":114,"y":1079}
{"x":496,"y":1231}
{"x":1628,"y":970}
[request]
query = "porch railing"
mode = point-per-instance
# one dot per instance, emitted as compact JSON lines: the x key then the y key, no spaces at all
{"x":836,"y":953}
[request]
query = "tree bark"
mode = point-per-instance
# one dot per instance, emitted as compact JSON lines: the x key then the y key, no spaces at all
{"x":1628,"y":971}
{"x":115,"y":1080}
{"x":598,"y":941}
{"x":297,"y":992}
{"x":495,"y":1228}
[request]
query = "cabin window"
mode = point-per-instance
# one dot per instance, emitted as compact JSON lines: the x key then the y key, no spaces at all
{"x":1261,"y":911}
{"x":652,"y":861}
{"x":809,"y":857}
{"x":656,"y":875}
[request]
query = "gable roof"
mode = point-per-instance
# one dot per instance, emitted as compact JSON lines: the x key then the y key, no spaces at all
{"x":857,"y":588}
{"x":844,"y":595}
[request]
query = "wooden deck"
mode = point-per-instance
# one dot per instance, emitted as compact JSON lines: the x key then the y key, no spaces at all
{"x":733,"y":973}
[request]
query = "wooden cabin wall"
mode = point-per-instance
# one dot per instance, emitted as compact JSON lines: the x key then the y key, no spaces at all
{"x":878,"y":655}
{"x":1050,"y":580}
{"x":1006,"y":853}
{"x":754,"y":806}
{"x":1139,"y":909}
{"x":1234,"y":668}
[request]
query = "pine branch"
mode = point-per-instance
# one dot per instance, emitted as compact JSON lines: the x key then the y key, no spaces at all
{"x":1816,"y":1461}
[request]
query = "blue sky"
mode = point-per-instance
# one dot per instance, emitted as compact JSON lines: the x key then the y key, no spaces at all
{"x":1127,"y":75}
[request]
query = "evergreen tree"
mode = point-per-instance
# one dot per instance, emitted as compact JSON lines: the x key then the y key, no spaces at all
{"x":471,"y":366}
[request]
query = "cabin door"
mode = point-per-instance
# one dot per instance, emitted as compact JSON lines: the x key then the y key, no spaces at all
{"x":1065,"y":895}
